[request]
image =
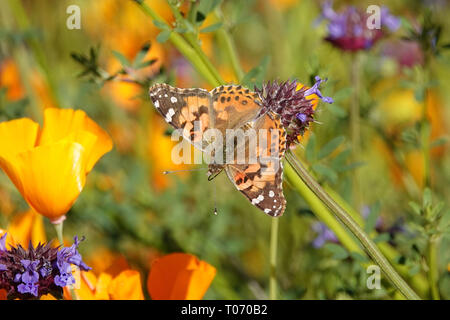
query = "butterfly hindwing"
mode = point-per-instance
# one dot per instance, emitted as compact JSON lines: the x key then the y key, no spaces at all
{"x":261,"y":182}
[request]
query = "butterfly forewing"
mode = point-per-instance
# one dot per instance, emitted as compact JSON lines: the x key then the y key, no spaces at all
{"x":186,"y":109}
{"x":233,"y":106}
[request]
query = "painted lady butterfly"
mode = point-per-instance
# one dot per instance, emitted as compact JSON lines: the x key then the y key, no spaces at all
{"x":230,"y":107}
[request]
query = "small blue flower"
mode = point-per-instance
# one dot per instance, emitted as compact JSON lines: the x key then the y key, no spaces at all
{"x":324,"y":235}
{"x":302,"y":117}
{"x":3,"y":243}
{"x":315,"y":90}
{"x":28,"y":288}
{"x":3,"y":267}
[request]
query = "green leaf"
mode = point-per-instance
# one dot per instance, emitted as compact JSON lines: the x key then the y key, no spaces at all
{"x":338,"y":162}
{"x":416,"y":208}
{"x":163,"y":36}
{"x":342,"y":94}
{"x":161,"y":25}
{"x":325,"y":172}
{"x":338,"y":251}
{"x":371,"y":220}
{"x":328,"y":148}
{"x":310,"y":151}
{"x":122,"y":59}
{"x":439,"y":142}
{"x":141,"y":54}
{"x":337,"y":110}
{"x":359,"y":257}
{"x":382,"y":237}
{"x":211,"y":28}
{"x":255,"y":77}
{"x":352,"y":166}
{"x":205,"y":7}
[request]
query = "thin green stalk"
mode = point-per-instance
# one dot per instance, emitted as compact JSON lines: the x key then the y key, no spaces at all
{"x":418,"y":281}
{"x":185,"y":49}
{"x":273,"y":258}
{"x":355,"y":129}
{"x":229,"y":48}
{"x":433,"y":271}
{"x":369,"y":246}
{"x":59,"y":232}
{"x":192,"y":38}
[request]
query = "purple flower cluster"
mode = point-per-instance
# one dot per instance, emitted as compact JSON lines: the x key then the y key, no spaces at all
{"x":295,"y":107}
{"x":29,"y":274}
{"x":348,"y":29}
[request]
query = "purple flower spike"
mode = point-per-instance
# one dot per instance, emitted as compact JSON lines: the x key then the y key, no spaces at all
{"x":348,"y":29}
{"x":296,"y":111}
{"x":36,"y":271}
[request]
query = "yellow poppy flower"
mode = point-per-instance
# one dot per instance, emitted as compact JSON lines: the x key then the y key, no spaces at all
{"x":49,"y":167}
{"x":179,"y":276}
{"x":26,"y":227}
{"x":126,"y":285}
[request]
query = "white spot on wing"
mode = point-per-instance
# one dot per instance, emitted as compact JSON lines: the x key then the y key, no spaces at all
{"x":271,"y":194}
{"x":156,"y":103}
{"x":169,"y":115}
{"x":173,"y":99}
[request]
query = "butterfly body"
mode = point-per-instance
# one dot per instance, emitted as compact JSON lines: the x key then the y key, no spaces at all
{"x":235,"y":109}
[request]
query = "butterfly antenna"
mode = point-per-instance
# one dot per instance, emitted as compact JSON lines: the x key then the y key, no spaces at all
{"x":175,"y":171}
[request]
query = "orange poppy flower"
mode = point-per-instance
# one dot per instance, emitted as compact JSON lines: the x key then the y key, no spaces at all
{"x":179,"y":276}
{"x":49,"y":166}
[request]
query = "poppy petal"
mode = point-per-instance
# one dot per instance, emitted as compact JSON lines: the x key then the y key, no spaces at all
{"x":179,"y":276}
{"x":62,"y":123}
{"x":52,"y":177}
{"x":126,"y":286}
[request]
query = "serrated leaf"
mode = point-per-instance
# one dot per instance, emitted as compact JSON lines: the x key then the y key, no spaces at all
{"x":212,"y":27}
{"x":338,"y":251}
{"x":329,"y":147}
{"x":122,"y":59}
{"x":163,"y":36}
{"x":310,"y":150}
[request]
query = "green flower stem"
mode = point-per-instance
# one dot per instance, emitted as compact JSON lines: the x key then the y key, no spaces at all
{"x":273,"y":258}
{"x":59,"y":232}
{"x":320,"y":210}
{"x":192,"y":38}
{"x":185,"y":49}
{"x":418,"y":282}
{"x":229,"y":48}
{"x":369,"y":246}
{"x":433,"y":271}
{"x":355,"y":128}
